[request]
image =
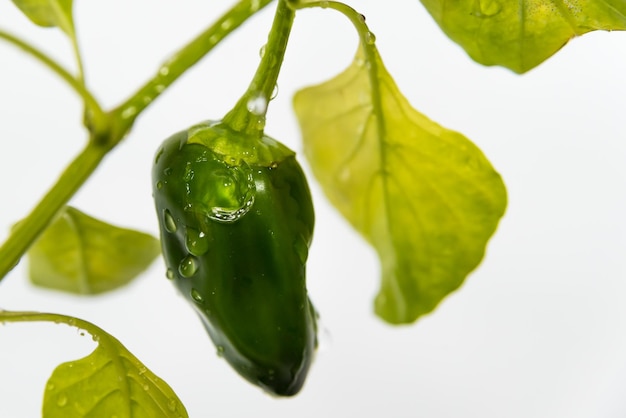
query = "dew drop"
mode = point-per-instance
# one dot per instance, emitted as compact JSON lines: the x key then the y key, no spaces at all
{"x":159,"y":88}
{"x":262,"y":51}
{"x":274,"y":92}
{"x":221,"y":189}
{"x":50,"y":386}
{"x":159,"y":185}
{"x":257,"y":104}
{"x":188,"y":266}
{"x":255,"y":5}
{"x":164,"y":70}
{"x":62,"y":400}
{"x":196,"y":242}
{"x":486,"y":8}
{"x":227,"y":24}
{"x":170,"y":274}
{"x":370,"y":38}
{"x":220,"y":350}
{"x":195,"y":295}
{"x":129,"y":112}
{"x":172,"y":405}
{"x":214,"y":39}
{"x":301,"y":248}
{"x":168,"y":221}
{"x":324,"y":4}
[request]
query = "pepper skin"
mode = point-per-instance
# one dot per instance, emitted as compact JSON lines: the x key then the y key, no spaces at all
{"x":236,"y":221}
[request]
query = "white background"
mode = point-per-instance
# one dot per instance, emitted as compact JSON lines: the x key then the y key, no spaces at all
{"x":538,"y":330}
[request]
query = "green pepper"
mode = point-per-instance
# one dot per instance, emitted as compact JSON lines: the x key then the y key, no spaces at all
{"x":236,"y":221}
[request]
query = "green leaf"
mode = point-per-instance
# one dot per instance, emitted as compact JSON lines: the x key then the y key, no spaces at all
{"x":425,"y":197}
{"x":49,"y":13}
{"x":520,"y":35}
{"x":80,"y":254}
{"x":110,"y":382}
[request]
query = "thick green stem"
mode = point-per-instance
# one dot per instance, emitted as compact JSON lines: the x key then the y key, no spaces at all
{"x":184,"y":59}
{"x":27,"y":230}
{"x":108,"y":129}
{"x":248,"y":115}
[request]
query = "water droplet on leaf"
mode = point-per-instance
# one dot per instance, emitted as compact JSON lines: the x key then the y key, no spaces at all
{"x":62,"y":400}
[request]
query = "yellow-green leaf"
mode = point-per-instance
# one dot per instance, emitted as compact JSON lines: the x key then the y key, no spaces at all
{"x":110,"y":382}
{"x":80,"y":254}
{"x":425,"y":197}
{"x":49,"y":13}
{"x":522,"y":34}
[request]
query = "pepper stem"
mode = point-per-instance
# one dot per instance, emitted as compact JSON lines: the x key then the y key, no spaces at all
{"x":248,"y":115}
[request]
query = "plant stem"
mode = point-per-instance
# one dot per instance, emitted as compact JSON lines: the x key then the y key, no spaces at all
{"x":184,"y":59}
{"x":248,"y":115}
{"x":97,"y":333}
{"x":110,"y":128}
{"x":27,"y":230}
{"x":76,"y":84}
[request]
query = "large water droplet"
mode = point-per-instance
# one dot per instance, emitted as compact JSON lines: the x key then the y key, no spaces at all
{"x":188,"y":266}
{"x":197,"y":242}
{"x":221,"y":191}
{"x":257,"y":104}
{"x":168,"y":221}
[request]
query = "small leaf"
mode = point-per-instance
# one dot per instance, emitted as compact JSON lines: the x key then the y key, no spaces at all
{"x":425,"y":197}
{"x":49,"y":13}
{"x":520,"y":35}
{"x":110,"y":382}
{"x":80,"y":254}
